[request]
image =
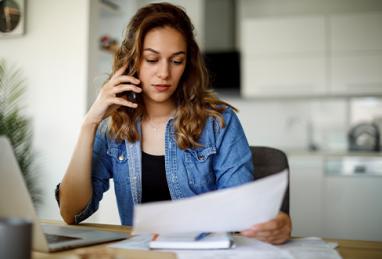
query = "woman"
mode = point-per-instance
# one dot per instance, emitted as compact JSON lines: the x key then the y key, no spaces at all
{"x":175,"y":140}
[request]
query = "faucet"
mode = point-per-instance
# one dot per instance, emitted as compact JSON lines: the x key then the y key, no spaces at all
{"x":312,"y":146}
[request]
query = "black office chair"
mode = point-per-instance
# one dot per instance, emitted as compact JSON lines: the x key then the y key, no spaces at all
{"x":268,"y":161}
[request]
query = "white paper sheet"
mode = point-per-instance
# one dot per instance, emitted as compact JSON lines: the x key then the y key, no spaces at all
{"x":310,"y":247}
{"x":231,"y":209}
{"x":234,"y":254}
{"x":246,"y":248}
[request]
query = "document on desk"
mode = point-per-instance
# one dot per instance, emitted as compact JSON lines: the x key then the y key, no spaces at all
{"x":231,"y":209}
{"x":246,"y":248}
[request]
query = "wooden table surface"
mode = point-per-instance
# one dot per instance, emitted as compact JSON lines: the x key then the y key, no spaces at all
{"x":348,"y":249}
{"x":351,"y":249}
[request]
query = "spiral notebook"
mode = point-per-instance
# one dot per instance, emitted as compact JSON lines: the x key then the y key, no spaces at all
{"x":220,"y":240}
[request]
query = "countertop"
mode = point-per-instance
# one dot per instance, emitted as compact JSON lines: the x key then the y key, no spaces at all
{"x":331,"y":153}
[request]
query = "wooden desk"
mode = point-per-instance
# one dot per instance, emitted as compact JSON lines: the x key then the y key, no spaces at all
{"x":348,"y":249}
{"x":352,"y":249}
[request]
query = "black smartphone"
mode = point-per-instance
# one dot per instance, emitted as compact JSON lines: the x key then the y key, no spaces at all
{"x":130,"y":95}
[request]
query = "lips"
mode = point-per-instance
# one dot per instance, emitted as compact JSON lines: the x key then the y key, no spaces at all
{"x":161,"y":87}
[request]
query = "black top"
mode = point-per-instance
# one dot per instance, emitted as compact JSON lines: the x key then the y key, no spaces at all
{"x":154,"y":182}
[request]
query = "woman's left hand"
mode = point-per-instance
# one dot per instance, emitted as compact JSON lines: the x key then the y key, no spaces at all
{"x":275,"y":231}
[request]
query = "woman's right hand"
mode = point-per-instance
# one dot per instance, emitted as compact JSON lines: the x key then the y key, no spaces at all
{"x":107,"y":100}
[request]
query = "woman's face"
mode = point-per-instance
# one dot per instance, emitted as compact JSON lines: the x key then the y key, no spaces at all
{"x":163,"y":63}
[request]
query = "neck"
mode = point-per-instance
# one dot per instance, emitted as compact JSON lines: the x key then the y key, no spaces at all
{"x":159,"y":111}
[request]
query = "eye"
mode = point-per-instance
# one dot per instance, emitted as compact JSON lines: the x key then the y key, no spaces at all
{"x":177,"y":62}
{"x":151,"y":60}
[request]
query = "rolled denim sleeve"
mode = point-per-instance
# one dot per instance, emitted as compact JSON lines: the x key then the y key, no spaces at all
{"x":101,"y":171}
{"x":233,"y":163}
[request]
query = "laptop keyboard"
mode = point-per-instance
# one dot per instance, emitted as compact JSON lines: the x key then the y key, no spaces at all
{"x":57,"y":238}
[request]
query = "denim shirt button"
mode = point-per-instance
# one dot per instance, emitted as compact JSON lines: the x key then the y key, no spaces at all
{"x":121,"y":157}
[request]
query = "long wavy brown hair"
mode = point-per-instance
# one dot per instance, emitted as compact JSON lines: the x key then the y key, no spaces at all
{"x":195,"y":102}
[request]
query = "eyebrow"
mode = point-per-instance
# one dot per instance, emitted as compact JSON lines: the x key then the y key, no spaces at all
{"x":157,"y":52}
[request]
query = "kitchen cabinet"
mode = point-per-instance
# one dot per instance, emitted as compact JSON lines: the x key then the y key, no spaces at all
{"x":288,"y":35}
{"x":284,"y":56}
{"x":356,"y":53}
{"x":355,"y":32}
{"x":336,"y":195}
{"x":313,"y":55}
{"x":306,"y":203}
{"x":351,"y":190}
{"x":352,"y":207}
{"x":358,"y":73}
{"x":277,"y":76}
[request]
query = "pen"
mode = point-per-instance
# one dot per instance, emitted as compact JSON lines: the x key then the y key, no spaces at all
{"x":201,"y":236}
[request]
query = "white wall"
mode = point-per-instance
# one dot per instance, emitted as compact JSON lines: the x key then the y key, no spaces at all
{"x":53,"y":55}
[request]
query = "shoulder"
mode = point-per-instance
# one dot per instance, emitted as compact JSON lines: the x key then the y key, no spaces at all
{"x":104,"y":142}
{"x":220,"y":123}
{"x":229,"y":113}
{"x":228,"y":117}
{"x":103,"y":133}
{"x":101,"y":140}
{"x":103,"y":129}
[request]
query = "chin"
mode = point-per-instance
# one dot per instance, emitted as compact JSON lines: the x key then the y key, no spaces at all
{"x":159,"y":98}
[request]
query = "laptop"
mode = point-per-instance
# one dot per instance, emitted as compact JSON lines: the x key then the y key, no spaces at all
{"x":15,"y":201}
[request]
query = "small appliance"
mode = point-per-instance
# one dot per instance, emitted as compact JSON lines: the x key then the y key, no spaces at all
{"x":364,"y":137}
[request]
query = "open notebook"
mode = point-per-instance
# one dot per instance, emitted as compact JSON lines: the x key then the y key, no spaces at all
{"x":220,"y":240}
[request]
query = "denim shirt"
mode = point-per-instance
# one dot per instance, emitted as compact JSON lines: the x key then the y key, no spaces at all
{"x":223,"y":161}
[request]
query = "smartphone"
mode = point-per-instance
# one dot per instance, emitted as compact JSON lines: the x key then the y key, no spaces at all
{"x":130,"y":95}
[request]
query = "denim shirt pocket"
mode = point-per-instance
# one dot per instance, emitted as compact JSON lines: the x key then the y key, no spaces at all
{"x":118,"y":156}
{"x":201,"y":177}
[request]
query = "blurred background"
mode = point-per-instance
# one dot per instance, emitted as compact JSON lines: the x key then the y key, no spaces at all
{"x":306,"y":76}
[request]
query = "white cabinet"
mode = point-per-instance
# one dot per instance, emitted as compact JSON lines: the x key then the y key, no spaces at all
{"x":333,"y":54}
{"x":289,"y":35}
{"x":353,"y":208}
{"x":333,"y":201}
{"x":356,"y":32}
{"x":279,"y":76}
{"x":356,"y":73}
{"x":284,"y":56}
{"x":306,"y":195}
{"x":356,"y":53}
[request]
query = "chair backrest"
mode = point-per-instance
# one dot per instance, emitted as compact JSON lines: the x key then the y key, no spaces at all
{"x":268,"y":161}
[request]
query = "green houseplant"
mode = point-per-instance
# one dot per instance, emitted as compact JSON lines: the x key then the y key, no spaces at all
{"x":16,"y":126}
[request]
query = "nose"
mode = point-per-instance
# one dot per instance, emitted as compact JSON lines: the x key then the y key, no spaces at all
{"x":163,"y":70}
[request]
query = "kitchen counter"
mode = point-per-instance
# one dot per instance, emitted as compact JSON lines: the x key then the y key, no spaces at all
{"x":331,"y":153}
